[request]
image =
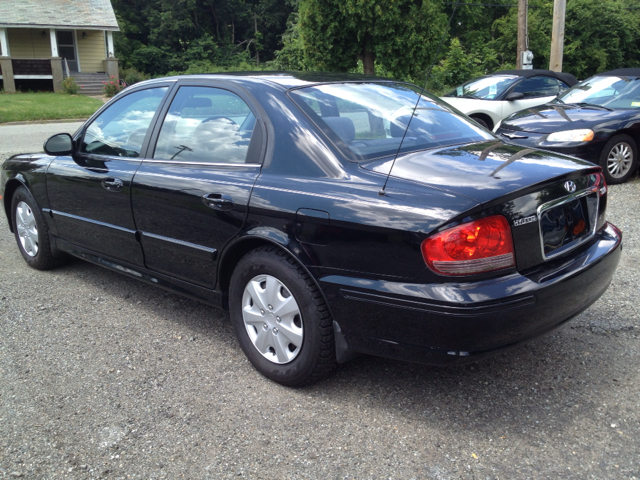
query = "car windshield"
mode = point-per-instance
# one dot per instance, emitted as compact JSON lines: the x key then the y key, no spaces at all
{"x":368,"y":120}
{"x":484,"y":88}
{"x":606,"y":91}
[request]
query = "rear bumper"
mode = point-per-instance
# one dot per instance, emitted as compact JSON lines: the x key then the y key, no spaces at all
{"x":457,"y":322}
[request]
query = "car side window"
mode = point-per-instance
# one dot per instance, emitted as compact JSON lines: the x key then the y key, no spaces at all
{"x":206,"y":124}
{"x":538,"y":87}
{"x":120,"y":130}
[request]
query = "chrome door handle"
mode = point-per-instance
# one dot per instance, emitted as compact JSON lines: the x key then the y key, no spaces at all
{"x":218,"y":201}
{"x":112,"y":184}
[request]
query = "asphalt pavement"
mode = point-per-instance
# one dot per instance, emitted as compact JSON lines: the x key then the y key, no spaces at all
{"x":26,"y":137}
{"x":102,"y":376}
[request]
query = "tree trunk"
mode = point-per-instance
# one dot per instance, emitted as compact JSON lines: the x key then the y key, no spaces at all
{"x":367,"y":63}
{"x":255,"y":27}
{"x":215,"y":18}
{"x":367,"y":56}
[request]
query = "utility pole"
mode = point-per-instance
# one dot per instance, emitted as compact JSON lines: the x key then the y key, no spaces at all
{"x":557,"y":35}
{"x":522,"y":31}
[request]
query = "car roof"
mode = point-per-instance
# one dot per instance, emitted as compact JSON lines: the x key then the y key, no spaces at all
{"x":534,"y":72}
{"x":620,"y":72}
{"x":286,"y":79}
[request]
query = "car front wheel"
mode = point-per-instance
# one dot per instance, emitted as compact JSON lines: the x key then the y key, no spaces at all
{"x":280,"y":318}
{"x":31,"y":232}
{"x":619,"y":159}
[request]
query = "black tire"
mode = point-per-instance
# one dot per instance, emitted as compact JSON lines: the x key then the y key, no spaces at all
{"x":38,"y":253}
{"x":316,"y":356}
{"x":612,"y":153}
{"x":481,"y":122}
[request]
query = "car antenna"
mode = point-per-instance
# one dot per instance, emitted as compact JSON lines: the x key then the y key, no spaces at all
{"x":444,"y":34}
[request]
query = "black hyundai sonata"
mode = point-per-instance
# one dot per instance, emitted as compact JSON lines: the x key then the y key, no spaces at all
{"x":597,"y":120}
{"x":276,"y":196}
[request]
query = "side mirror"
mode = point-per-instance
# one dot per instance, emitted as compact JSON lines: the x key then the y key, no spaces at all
{"x":514,"y":96}
{"x":60,"y":144}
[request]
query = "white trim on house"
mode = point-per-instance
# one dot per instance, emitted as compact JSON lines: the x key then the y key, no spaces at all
{"x":32,"y":77}
{"x":4,"y":43}
{"x":75,"y":46}
{"x":68,"y":27}
{"x":54,"y":42}
{"x":110,"y":48}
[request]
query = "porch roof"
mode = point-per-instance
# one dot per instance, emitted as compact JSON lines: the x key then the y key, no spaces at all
{"x":87,"y":14}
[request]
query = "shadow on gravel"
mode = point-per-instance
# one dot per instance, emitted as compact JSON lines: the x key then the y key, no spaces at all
{"x":543,"y":384}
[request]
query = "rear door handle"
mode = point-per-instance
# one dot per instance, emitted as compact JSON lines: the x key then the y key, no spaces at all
{"x":218,"y":201}
{"x":112,"y":184}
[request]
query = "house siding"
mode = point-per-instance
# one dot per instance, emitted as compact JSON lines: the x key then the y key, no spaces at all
{"x":29,"y":43}
{"x":91,"y":50}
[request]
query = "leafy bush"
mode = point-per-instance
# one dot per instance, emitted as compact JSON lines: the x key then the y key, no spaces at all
{"x":112,"y":87}
{"x":208,"y":67}
{"x":130,"y":76}
{"x":291,"y":55}
{"x":69,"y":86}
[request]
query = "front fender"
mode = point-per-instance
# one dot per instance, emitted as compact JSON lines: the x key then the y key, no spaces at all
{"x":28,"y":170}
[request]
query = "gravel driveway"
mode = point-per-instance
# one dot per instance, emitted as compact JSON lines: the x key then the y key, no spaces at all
{"x":105,"y":377}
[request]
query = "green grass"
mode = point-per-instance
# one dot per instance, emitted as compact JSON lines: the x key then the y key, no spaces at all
{"x":19,"y":107}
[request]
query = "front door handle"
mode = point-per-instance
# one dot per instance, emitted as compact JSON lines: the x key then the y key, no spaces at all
{"x":218,"y":201}
{"x":112,"y":184}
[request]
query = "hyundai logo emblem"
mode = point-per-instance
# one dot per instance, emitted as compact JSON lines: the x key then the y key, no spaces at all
{"x":570,"y":186}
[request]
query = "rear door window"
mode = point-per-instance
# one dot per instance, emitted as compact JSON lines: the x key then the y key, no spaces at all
{"x":206,"y":124}
{"x":538,"y":87}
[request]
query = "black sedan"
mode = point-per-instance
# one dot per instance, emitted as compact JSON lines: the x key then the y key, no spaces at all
{"x":597,"y":120}
{"x":276,"y":196}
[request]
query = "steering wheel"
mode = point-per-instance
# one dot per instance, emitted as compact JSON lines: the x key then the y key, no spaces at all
{"x":210,"y":119}
{"x":136,"y":138}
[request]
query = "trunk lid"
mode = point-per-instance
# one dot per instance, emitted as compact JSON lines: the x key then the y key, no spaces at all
{"x":482,"y":171}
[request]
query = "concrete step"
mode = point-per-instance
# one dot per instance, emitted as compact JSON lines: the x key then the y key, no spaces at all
{"x":91,"y":83}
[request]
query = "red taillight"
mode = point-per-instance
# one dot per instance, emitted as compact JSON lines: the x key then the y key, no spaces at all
{"x":602,"y":184}
{"x":475,"y":247}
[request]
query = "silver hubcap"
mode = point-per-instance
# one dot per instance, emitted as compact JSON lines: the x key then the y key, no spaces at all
{"x":272,"y":318}
{"x":27,"y":229}
{"x":619,"y":160}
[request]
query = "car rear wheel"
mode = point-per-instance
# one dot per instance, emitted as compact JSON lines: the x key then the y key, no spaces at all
{"x":481,"y":121}
{"x":280,"y":318}
{"x":619,"y":159}
{"x":31,"y":232}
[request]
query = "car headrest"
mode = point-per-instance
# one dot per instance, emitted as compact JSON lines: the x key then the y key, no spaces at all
{"x":197,"y":102}
{"x":398,"y":126}
{"x":343,"y":127}
{"x":418,"y":127}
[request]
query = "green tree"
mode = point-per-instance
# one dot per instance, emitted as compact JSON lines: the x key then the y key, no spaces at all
{"x":399,"y":35}
{"x":291,"y":55}
{"x":599,"y":35}
{"x":158,"y":36}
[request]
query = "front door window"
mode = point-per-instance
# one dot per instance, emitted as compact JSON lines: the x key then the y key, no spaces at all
{"x":67,"y":48}
{"x":120,"y":130}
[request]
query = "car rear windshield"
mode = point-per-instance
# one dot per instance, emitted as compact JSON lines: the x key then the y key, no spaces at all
{"x":620,"y":93}
{"x":483,"y":88}
{"x":368,"y":120}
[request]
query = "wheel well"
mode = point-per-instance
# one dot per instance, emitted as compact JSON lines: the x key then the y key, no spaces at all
{"x":240,"y":249}
{"x":230,"y":260}
{"x":632,"y":133}
{"x":485,"y":118}
{"x":11,"y":186}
